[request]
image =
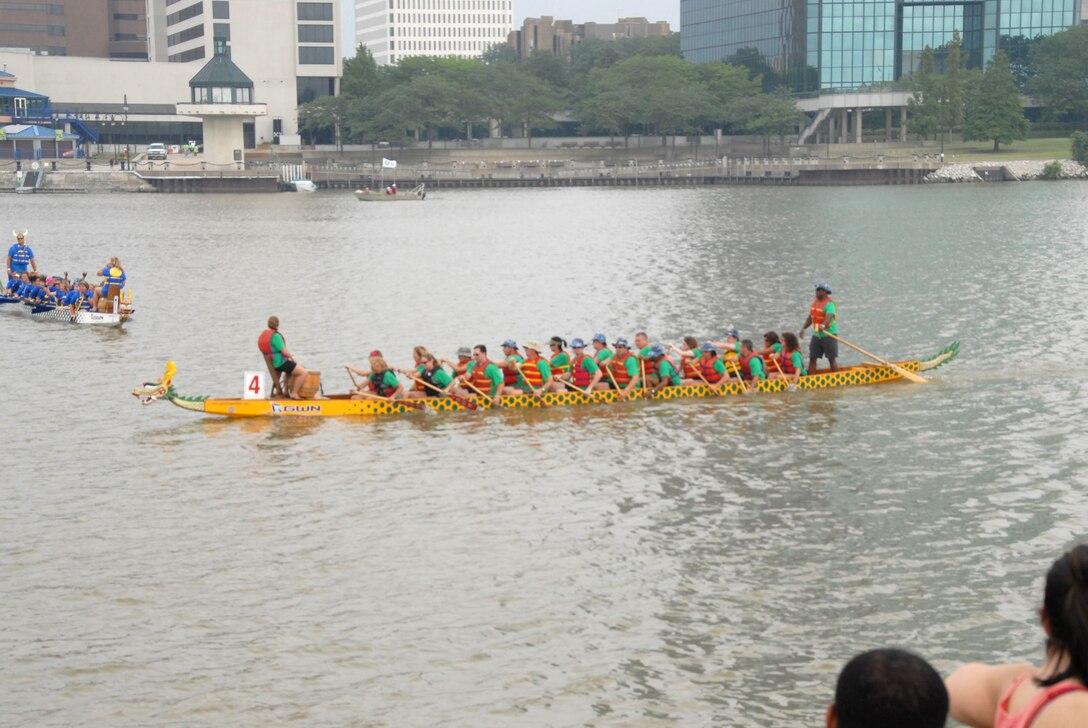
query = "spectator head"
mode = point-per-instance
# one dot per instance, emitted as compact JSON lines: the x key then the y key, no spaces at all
{"x":1065,"y":613}
{"x":888,"y":688}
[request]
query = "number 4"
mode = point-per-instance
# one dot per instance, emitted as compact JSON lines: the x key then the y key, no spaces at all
{"x":255,"y":385}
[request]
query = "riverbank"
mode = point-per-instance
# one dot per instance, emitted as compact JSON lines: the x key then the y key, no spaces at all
{"x":268,"y":176}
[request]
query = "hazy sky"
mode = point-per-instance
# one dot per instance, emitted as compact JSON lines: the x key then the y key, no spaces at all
{"x":580,"y":11}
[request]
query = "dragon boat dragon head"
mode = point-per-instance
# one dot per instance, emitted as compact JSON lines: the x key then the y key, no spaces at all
{"x":154,"y":391}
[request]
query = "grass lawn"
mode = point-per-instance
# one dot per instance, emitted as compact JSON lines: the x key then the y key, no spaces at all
{"x":957,"y":150}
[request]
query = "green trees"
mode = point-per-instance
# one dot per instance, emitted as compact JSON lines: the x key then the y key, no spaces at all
{"x":1061,"y":66}
{"x":994,"y":110}
{"x":616,"y":88}
{"x":1080,"y":147}
{"x":923,"y":117}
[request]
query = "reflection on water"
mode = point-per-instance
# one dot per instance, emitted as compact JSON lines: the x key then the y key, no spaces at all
{"x":691,"y":562}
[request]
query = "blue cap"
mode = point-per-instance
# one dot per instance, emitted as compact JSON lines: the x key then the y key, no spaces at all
{"x":577,"y":344}
{"x":657,"y":350}
{"x":823,"y":286}
{"x":601,"y":338}
{"x":622,"y":342}
{"x":734,"y":332}
{"x":511,"y":343}
{"x":707,"y":346}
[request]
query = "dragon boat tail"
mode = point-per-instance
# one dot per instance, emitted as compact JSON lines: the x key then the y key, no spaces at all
{"x":341,"y":405}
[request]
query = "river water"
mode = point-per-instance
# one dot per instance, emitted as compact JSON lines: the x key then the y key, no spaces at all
{"x":687,"y":563}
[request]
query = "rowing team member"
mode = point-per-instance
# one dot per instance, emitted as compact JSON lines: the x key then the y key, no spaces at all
{"x":50,"y":291}
{"x":20,"y":257}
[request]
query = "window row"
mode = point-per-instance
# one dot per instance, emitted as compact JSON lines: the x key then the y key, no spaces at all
{"x":54,"y":30}
{"x":47,"y":8}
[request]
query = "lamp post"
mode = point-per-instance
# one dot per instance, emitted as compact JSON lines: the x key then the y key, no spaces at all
{"x":113,"y":133}
{"x":124,"y":129}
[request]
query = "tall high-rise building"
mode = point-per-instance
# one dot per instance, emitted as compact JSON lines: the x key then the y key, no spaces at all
{"x":395,"y":29}
{"x":842,"y":44}
{"x":271,"y":39}
{"x":558,"y":37}
{"x":96,"y":28}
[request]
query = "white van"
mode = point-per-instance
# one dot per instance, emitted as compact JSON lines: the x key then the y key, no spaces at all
{"x":156,"y":151}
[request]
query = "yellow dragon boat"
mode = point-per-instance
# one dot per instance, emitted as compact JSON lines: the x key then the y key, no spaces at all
{"x":341,"y":405}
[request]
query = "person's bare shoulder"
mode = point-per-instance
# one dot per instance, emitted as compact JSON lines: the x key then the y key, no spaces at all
{"x":1068,"y":711}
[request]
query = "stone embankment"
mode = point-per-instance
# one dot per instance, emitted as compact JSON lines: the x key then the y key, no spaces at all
{"x":82,"y":181}
{"x":1017,"y":170}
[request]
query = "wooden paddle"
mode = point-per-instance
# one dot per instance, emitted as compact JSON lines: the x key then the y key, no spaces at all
{"x":608,"y":371}
{"x":580,"y":391}
{"x":736,"y":370}
{"x":405,"y":402}
{"x":789,"y":387}
{"x":476,"y":389}
{"x":906,"y":374}
{"x":645,"y":384}
{"x":459,"y":400}
{"x":708,"y":384}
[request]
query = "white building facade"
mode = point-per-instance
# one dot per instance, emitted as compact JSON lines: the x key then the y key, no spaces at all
{"x":395,"y":29}
{"x":292,"y":49}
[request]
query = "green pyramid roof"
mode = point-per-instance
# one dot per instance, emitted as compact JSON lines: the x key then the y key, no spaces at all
{"x":220,"y":72}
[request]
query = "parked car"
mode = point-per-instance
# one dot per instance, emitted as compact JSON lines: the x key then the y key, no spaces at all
{"x":156,"y":151}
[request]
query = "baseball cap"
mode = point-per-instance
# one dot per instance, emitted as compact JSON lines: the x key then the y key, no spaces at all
{"x":823,"y":286}
{"x":601,"y":338}
{"x":622,"y":342}
{"x":510,"y":343}
{"x":577,"y":344}
{"x":464,"y":351}
{"x":657,"y":350}
{"x":707,"y":346}
{"x":732,"y":331}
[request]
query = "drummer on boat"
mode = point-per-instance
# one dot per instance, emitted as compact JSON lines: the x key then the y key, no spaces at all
{"x":273,"y":345}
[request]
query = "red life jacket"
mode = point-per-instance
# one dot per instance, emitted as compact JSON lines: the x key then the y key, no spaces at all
{"x":530,"y":372}
{"x":785,"y":361}
{"x":479,"y":379}
{"x":691,"y":369}
{"x":510,"y":373}
{"x":619,"y":370}
{"x":817,"y":311}
{"x":710,"y":374}
{"x":579,"y":374}
{"x":420,"y":370}
{"x":745,"y":361}
{"x":378,"y":385}
{"x":264,"y":341}
{"x":650,"y":367}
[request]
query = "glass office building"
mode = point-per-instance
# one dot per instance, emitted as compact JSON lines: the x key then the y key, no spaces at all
{"x":824,"y":45}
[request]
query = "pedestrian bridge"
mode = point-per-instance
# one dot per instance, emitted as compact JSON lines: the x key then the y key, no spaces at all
{"x":837,"y":117}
